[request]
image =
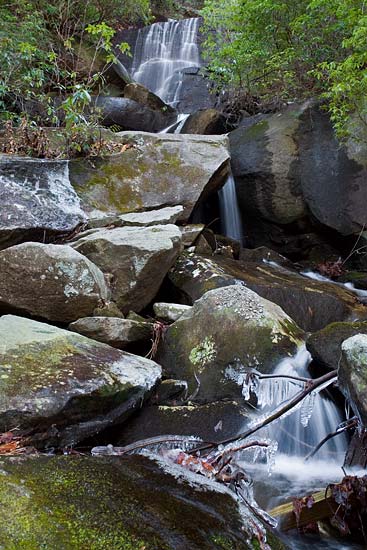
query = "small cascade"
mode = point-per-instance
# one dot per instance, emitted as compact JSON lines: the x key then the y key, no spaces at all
{"x":177,"y":126}
{"x":230,"y":213}
{"x":161,"y":52}
{"x":317,"y":416}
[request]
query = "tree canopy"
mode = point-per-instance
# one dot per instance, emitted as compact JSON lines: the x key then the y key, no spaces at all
{"x":285,"y":50}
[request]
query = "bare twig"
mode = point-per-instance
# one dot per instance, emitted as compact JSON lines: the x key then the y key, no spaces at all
{"x":341,"y":429}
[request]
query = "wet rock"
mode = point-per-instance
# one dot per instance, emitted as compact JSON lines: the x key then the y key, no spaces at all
{"x":211,"y":421}
{"x":137,"y":259}
{"x":127,"y":503}
{"x":205,"y":122}
{"x":37,"y":200}
{"x":54,"y":282}
{"x":325,"y":345}
{"x":170,"y":214}
{"x":130,"y":115}
{"x":113,"y":331}
{"x":63,"y":387}
{"x":263,"y":154}
{"x":352,"y":374}
{"x":155,"y":170}
{"x":226,"y":331}
{"x":142,"y":95}
{"x":262,"y":254}
{"x":312,"y":304}
{"x":169,"y":312}
{"x":290,"y":163}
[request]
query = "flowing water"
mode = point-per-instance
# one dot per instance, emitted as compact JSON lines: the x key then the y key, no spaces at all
{"x":230,"y":213}
{"x":161,"y":52}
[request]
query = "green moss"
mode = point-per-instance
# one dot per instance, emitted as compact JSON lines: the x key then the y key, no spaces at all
{"x":204,"y":353}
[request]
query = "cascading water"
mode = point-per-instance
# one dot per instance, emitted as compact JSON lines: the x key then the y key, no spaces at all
{"x":161,"y":52}
{"x":229,"y":210}
{"x":317,"y":416}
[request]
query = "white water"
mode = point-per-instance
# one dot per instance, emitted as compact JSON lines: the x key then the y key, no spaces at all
{"x":177,"y":126}
{"x":318,"y":277}
{"x":161,"y":52}
{"x":229,"y":210}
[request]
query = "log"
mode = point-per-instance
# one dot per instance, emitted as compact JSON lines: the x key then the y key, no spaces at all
{"x":324,"y":507}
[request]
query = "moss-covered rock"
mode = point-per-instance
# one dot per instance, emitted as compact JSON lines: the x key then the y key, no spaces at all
{"x":130,"y":503}
{"x":53,"y":377}
{"x":325,"y":345}
{"x":352,"y":374}
{"x":50,"y":281}
{"x":154,"y":170}
{"x":227,"y":330}
{"x":136,"y":260}
{"x":312,"y":304}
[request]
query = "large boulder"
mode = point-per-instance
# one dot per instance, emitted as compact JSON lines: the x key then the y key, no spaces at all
{"x":228,"y":330}
{"x":61,"y":382}
{"x":290,"y":163}
{"x":325,"y":344}
{"x":154,"y":170}
{"x":127,"y":114}
{"x":352,"y":374}
{"x":54,"y":282}
{"x":37,"y":200}
{"x":312,"y":304}
{"x":137,"y":258}
{"x":119,"y":503}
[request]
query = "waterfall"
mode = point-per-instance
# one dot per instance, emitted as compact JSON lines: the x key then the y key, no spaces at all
{"x":161,"y":52}
{"x":317,"y":416}
{"x":230,"y":213}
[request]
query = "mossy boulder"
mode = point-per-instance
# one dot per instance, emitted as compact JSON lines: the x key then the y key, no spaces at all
{"x":226,"y":331}
{"x":54,"y":282}
{"x":37,"y":200}
{"x":114,"y":331}
{"x":136,"y":259}
{"x":131,"y":503}
{"x":325,"y":345}
{"x":51,"y":377}
{"x":352,"y":374}
{"x":312,"y":304}
{"x":154,"y":170}
{"x":205,"y":122}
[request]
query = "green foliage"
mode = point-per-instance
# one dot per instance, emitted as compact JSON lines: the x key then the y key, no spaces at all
{"x":58,"y":49}
{"x":283,"y":50}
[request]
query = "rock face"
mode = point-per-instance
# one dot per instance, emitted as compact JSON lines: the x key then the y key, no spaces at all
{"x":226,"y":331}
{"x":290,"y":163}
{"x":312,"y":304}
{"x":130,"y":115}
{"x":325,"y":345}
{"x":154,"y":171}
{"x":113,"y":331}
{"x":37,"y":200}
{"x":50,"y":281}
{"x":137,"y":258}
{"x":263,"y":154}
{"x":52,"y":377}
{"x":352,"y":374}
{"x":103,"y":503}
